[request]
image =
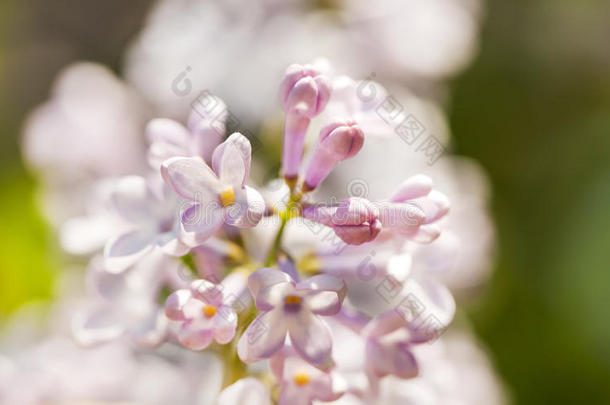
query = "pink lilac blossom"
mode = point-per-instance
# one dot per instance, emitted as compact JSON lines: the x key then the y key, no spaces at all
{"x":215,"y":196}
{"x":294,"y":309}
{"x":205,"y":314}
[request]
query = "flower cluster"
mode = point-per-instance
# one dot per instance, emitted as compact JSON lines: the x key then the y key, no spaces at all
{"x":200,"y":256}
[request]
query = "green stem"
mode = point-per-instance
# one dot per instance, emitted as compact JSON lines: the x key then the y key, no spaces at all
{"x":292,"y":210}
{"x":272,"y":257}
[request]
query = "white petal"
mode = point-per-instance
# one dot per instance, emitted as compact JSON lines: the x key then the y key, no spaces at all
{"x":126,"y":250}
{"x":311,"y":338}
{"x":97,"y":325}
{"x":200,"y":223}
{"x":191,"y":178}
{"x":231,"y":160}
{"x":263,"y":338}
{"x":225,"y":323}
{"x":247,"y":391}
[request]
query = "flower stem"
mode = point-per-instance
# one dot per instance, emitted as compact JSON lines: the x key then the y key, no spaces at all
{"x":293,"y":209}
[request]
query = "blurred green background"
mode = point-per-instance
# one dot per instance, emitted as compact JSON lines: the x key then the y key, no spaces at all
{"x":533,"y":109}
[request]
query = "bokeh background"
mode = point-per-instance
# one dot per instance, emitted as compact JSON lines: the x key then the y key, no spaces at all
{"x":533,"y":108}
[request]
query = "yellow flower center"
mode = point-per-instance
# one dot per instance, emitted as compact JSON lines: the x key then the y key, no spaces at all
{"x":209,"y":311}
{"x":301,"y":378}
{"x":292,"y":299}
{"x":227,"y":197}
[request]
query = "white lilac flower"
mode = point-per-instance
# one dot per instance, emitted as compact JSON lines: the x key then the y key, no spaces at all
{"x":215,"y":196}
{"x":294,"y":309}
{"x":151,"y":211}
{"x":301,"y":383}
{"x":205,"y":313}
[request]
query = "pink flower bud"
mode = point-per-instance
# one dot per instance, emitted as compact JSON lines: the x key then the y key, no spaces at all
{"x":354,"y":220}
{"x":338,"y":141}
{"x":304,"y":91}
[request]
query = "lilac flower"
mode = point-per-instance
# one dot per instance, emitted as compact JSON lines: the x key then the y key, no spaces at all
{"x":301,"y":383}
{"x":355,"y":220}
{"x":339,"y":140}
{"x":205,"y":313}
{"x":388,"y":348}
{"x":169,"y":138}
{"x":125,"y":304}
{"x":215,"y":196}
{"x":414,"y":208}
{"x":291,"y":308}
{"x":247,"y":391}
{"x":304,"y":93}
{"x":150,"y":209}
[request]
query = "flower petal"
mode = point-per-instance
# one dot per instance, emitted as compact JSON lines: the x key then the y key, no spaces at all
{"x":191,"y":179}
{"x":292,"y":395}
{"x":248,"y":210}
{"x":97,"y":325}
{"x":126,"y":249}
{"x":175,"y":303}
{"x":225,"y":323}
{"x":167,"y":139}
{"x":199,"y":223}
{"x":414,"y":187}
{"x":194,"y":336}
{"x":311,"y":338}
{"x":247,"y":391}
{"x":263,"y":337}
{"x":231,"y":160}
{"x":151,"y":331}
{"x":131,"y":200}
{"x":265,"y":278}
{"x":328,"y":293}
{"x":207,"y":292}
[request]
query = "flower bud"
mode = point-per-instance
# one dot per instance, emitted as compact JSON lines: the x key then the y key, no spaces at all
{"x":338,"y":141}
{"x":355,"y":220}
{"x":304,"y":91}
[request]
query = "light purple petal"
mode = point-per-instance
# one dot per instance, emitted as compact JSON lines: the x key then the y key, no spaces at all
{"x":329,"y":292}
{"x":292,"y":395}
{"x":231,"y":160}
{"x":263,"y":337}
{"x":385,"y":323}
{"x":175,"y":303}
{"x":132,"y":200}
{"x":405,"y":217}
{"x":200,"y":223}
{"x":225,"y":323}
{"x":97,"y":325}
{"x":127,"y":249}
{"x":311,"y":338}
{"x":207,"y":292}
{"x":171,"y":245}
{"x":167,"y":139}
{"x":247,"y":391}
{"x":264,"y":278}
{"x":194,"y":337}
{"x":414,"y":187}
{"x":424,"y":234}
{"x":248,"y":210}
{"x":191,"y":179}
{"x":150,"y":332}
